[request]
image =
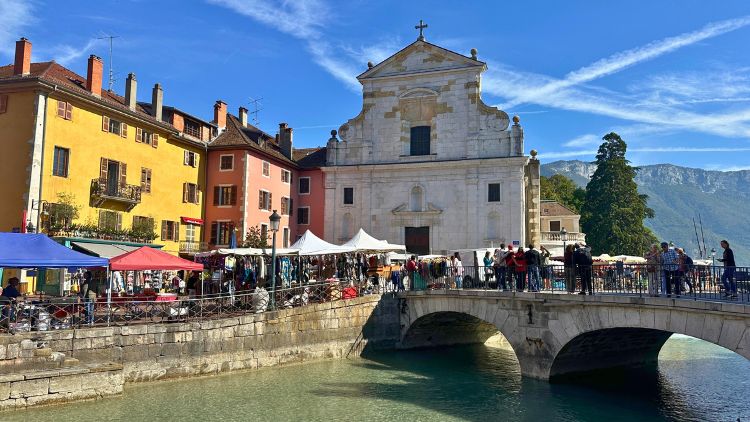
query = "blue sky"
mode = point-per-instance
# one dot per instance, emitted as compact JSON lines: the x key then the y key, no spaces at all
{"x":671,"y":77}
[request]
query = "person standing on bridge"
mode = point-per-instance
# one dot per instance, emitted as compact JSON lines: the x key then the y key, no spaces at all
{"x":669,"y":261}
{"x":727,"y":278}
{"x":519,"y":260}
{"x":652,"y":265}
{"x":569,"y":267}
{"x":500,"y":267}
{"x":533,"y":259}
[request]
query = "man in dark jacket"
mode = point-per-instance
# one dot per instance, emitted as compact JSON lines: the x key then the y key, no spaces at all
{"x":583,"y":261}
{"x":727,"y":278}
{"x":533,"y":259}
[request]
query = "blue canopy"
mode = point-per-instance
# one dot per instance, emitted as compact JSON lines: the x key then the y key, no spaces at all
{"x":28,"y":250}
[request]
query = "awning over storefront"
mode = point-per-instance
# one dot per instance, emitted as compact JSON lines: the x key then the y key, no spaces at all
{"x":104,"y":250}
{"x":26,"y":250}
{"x":191,"y":220}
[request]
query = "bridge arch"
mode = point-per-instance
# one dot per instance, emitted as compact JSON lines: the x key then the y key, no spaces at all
{"x":554,"y":335}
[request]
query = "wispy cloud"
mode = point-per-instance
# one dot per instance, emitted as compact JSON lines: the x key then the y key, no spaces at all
{"x":628,"y":58}
{"x":592,"y":152}
{"x":15,"y":16}
{"x":65,"y":54}
{"x":722,"y":167}
{"x":583,"y":140}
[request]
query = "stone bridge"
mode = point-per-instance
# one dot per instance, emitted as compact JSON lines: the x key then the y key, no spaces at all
{"x":559,"y":334}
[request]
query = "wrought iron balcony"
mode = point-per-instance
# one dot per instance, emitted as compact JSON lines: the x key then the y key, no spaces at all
{"x":102,"y":190}
{"x":193,"y":247}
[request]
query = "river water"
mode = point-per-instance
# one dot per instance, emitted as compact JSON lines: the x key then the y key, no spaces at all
{"x":694,"y":380}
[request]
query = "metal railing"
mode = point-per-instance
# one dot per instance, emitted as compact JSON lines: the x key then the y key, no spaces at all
{"x":193,"y":247}
{"x":74,"y":312}
{"x":101,"y":189}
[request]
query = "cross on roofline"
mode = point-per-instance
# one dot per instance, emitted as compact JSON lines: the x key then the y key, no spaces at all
{"x":421,"y":27}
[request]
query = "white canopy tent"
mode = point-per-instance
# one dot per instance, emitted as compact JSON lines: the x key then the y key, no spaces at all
{"x":249,"y":252}
{"x":309,"y":245}
{"x":363,"y":242}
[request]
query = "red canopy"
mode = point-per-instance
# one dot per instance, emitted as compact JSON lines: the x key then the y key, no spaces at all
{"x":146,"y":258}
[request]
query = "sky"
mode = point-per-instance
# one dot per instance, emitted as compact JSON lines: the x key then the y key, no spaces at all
{"x":671,"y":77}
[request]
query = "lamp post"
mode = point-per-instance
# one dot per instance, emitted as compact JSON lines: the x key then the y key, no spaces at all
{"x":564,"y":238}
{"x":275,"y":218}
{"x":713,"y":264}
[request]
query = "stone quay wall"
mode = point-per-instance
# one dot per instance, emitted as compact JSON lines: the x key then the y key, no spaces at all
{"x":58,"y":366}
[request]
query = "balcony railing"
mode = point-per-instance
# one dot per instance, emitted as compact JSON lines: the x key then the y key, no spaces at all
{"x":193,"y":247}
{"x":102,"y":191}
{"x":556,"y":237}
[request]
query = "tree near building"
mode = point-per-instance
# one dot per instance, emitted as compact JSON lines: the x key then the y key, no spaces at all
{"x":563,"y":190}
{"x":254,"y":239}
{"x":613,"y":212}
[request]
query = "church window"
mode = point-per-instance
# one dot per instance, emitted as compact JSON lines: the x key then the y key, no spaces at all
{"x":420,"y":140}
{"x":493,"y":192}
{"x":415,"y":199}
{"x":348,"y":196}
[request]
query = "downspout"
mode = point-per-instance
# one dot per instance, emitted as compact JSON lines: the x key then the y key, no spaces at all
{"x":41,"y":158}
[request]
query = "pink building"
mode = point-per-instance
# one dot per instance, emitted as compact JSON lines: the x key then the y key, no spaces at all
{"x":251,"y":173}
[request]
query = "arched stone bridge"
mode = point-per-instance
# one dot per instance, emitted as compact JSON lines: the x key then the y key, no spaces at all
{"x":558,"y":334}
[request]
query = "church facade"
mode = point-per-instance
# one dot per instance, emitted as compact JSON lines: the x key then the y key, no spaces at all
{"x":426,"y":163}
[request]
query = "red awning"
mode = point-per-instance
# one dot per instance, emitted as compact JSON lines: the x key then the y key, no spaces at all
{"x":146,"y":258}
{"x":191,"y":220}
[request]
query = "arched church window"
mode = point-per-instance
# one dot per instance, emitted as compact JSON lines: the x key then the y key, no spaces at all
{"x":416,"y":199}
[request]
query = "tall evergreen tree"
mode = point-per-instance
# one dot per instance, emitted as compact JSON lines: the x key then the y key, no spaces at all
{"x":613,"y":212}
{"x":563,"y":190}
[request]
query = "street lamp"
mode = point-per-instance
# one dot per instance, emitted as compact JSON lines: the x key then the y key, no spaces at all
{"x":713,"y":264}
{"x":564,"y":238}
{"x":275,"y":218}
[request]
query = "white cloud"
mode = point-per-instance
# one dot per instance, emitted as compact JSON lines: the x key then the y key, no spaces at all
{"x":592,"y":153}
{"x":583,"y":140}
{"x":15,"y":16}
{"x":65,"y":54}
{"x":299,"y":18}
{"x":723,"y":167}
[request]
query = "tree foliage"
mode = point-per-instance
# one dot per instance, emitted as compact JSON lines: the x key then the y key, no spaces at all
{"x":563,"y":190}
{"x":254,"y":238}
{"x":613,"y":212}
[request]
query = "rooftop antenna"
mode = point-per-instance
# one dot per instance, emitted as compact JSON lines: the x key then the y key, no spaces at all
{"x":256,"y":108}
{"x":111,"y":72}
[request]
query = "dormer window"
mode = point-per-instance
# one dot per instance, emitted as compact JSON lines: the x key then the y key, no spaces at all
{"x":192,"y":128}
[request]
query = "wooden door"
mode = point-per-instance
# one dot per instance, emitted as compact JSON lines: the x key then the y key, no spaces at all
{"x":417,"y":240}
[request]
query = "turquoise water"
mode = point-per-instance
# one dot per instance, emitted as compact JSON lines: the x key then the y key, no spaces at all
{"x":694,"y":381}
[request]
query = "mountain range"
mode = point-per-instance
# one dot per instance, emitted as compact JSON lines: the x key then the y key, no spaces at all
{"x":680,"y":194}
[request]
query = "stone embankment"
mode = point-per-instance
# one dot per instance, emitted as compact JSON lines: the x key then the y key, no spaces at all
{"x":59,"y":366}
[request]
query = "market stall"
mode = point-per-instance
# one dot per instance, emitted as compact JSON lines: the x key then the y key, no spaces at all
{"x":375,"y":253}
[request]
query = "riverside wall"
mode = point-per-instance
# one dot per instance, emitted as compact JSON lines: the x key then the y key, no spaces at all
{"x":59,"y":366}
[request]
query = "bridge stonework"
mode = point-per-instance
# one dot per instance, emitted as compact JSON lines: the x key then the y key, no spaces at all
{"x":557,"y":334}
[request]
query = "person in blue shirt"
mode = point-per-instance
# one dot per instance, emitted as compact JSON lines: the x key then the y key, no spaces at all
{"x":669,"y":261}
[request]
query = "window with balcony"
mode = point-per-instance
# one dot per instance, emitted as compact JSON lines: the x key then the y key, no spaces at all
{"x":60,"y":162}
{"x":304,"y":186}
{"x":419,"y":143}
{"x":190,"y":232}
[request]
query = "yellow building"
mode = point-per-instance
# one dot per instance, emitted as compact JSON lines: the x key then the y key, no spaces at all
{"x":134,"y":171}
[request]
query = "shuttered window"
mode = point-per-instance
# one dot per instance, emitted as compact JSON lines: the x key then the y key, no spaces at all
{"x":420,"y":140}
{"x":266,"y":169}
{"x":65,"y":110}
{"x":221,"y":232}
{"x":170,"y":230}
{"x":190,"y":159}
{"x":225,"y":195}
{"x":60,"y":162}
{"x":110,"y":220}
{"x":264,"y":200}
{"x":190,"y":193}
{"x":114,"y":126}
{"x":145,"y":180}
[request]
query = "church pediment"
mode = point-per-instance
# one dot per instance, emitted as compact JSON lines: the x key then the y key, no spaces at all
{"x":419,"y":57}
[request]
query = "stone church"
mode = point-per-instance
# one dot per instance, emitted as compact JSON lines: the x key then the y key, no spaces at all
{"x":427,"y":163}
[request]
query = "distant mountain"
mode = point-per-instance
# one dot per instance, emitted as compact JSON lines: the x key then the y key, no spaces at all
{"x":677,"y":194}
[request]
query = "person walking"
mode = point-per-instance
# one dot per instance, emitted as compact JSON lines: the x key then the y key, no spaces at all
{"x":458,"y":270}
{"x":727,"y":277}
{"x":88,"y":294}
{"x":533,"y":260}
{"x":519,"y":260}
{"x":569,"y":268}
{"x":669,"y":262}
{"x":652,"y":270}
{"x":500,"y":268}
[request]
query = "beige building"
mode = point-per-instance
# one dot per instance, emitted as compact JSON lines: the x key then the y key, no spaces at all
{"x":554,"y":218}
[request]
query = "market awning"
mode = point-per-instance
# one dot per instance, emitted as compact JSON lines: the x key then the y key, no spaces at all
{"x":28,"y":250}
{"x":191,"y":220}
{"x":309,"y":245}
{"x":146,"y":258}
{"x":104,"y":250}
{"x":366,"y":243}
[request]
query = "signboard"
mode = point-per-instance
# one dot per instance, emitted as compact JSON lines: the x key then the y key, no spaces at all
{"x":516,"y":242}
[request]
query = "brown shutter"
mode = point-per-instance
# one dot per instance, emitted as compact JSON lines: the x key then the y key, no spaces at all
{"x":163,"y":229}
{"x":195,"y":160}
{"x":123,"y":174}
{"x":155,"y":140}
{"x":61,"y":109}
{"x":138,"y":134}
{"x":197,"y":194}
{"x":103,"y":169}
{"x":214,"y":228}
{"x":143,"y":179}
{"x":69,"y":111}
{"x":176,"y":233}
{"x":260,"y":200}
{"x":148,"y":181}
{"x":105,"y":123}
{"x":124,"y":130}
{"x":184,"y":192}
{"x":217,"y":192}
{"x":101,"y":218}
{"x":270,"y":201}
{"x":233,"y":195}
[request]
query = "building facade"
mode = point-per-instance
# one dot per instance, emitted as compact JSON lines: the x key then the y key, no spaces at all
{"x":560,"y":226}
{"x":426,"y":163}
{"x":133,"y":171}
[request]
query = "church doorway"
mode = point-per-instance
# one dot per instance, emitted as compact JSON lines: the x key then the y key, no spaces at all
{"x":417,"y":240}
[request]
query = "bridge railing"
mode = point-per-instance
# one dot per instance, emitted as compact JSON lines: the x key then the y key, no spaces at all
{"x":698,"y":282}
{"x":72,"y":312}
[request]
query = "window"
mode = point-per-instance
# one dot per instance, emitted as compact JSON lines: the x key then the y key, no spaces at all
{"x":145,"y":180}
{"x":4,"y":104}
{"x":64,"y":110}
{"x":60,"y":162}
{"x":554,"y":226}
{"x":110,"y":220}
{"x":264,"y":200}
{"x":226,"y":162}
{"x":145,"y":137}
{"x":190,"y":193}
{"x":192,"y":128}
{"x":415,"y":199}
{"x":348,"y":196}
{"x":170,"y":230}
{"x":143,"y":225}
{"x":266,"y":169}
{"x":420,"y":140}
{"x":221,"y":232}
{"x":493,"y":192}
{"x":303,"y":215}
{"x":190,"y":159}
{"x":287,"y":205}
{"x":114,"y":126}
{"x":304,"y":186}
{"x":225,"y":195}
{"x":285,"y":241}
{"x":286,"y":176}
{"x":189,"y":233}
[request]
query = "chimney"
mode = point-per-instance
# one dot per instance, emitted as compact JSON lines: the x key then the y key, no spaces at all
{"x":94,"y":76}
{"x":22,"y":65}
{"x":157,"y":101}
{"x":285,"y":140}
{"x":131,"y":91}
{"x":220,"y":114}
{"x":243,"y":116}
